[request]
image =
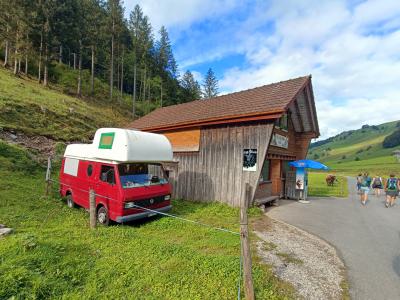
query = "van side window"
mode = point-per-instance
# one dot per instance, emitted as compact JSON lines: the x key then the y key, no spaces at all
{"x":107,"y":174}
{"x":89,"y":170}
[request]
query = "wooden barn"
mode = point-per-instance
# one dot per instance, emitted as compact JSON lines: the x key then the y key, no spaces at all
{"x":220,"y":144}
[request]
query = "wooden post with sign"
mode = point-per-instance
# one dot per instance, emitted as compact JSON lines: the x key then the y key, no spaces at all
{"x":48,"y":176}
{"x":245,"y":244}
{"x":92,"y":208}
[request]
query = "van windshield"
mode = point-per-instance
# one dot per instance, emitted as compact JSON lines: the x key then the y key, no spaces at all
{"x":141,"y":174}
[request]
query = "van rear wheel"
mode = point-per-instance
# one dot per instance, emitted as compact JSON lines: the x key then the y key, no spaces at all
{"x":102,"y":216}
{"x":70,"y":201}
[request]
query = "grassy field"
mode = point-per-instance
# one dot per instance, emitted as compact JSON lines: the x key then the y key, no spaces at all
{"x":317,"y":186}
{"x":54,"y":254}
{"x":359,"y":151}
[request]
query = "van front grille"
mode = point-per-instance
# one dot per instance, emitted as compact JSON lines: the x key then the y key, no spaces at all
{"x":149,"y":201}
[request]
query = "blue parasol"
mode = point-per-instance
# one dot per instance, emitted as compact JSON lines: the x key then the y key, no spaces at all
{"x":307,"y":163}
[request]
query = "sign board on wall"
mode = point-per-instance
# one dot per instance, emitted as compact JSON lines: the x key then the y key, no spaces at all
{"x":280,"y":141}
{"x":250,"y":160}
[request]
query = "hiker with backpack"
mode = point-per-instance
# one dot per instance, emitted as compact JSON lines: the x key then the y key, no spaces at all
{"x":392,"y":189}
{"x":359,"y":179}
{"x":377,"y":185}
{"x":365,"y":186}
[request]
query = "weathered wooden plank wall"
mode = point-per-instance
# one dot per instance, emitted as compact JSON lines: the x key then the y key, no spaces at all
{"x":215,"y":172}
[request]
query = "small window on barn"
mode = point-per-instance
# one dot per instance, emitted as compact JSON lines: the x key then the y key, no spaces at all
{"x":265,"y":171}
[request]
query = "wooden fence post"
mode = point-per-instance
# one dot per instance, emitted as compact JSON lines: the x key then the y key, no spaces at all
{"x":92,"y":209}
{"x":245,"y":244}
{"x":48,"y":176}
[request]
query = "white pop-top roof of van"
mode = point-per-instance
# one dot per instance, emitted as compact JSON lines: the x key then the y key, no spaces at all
{"x":123,"y":145}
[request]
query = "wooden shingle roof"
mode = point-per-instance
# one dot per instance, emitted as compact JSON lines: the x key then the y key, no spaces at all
{"x":265,"y":102}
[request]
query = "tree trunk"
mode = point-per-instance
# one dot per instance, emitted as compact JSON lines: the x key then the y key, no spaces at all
{"x":112,"y":63}
{"x":122,"y":72}
{"x":6,"y":54}
{"x":149,"y":90}
{"x":148,"y":95}
{"x":134,"y":92}
{"x":15,"y":60}
{"x":60,"y":55}
{"x":141,"y":89}
{"x":26,"y":64}
{"x":161,"y":94}
{"x":79,"y":89}
{"x":40,"y":58}
{"x":46,"y":61}
{"x":144,"y":84}
{"x":26,"y":55}
{"x":92,"y":74}
{"x":74,"y":54}
{"x":19,"y":65}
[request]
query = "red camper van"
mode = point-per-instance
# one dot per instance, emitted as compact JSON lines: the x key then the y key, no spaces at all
{"x":124,"y":169}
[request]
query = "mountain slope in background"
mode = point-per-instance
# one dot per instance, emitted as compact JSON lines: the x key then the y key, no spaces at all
{"x":358,"y":150}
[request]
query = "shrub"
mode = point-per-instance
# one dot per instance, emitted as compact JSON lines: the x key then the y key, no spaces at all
{"x":316,"y":156}
{"x":368,"y":148}
{"x":392,"y":140}
{"x":357,"y":158}
{"x":360,"y":151}
{"x":344,"y":157}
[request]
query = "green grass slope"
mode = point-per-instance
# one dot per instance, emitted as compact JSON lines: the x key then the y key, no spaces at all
{"x":28,"y":107}
{"x":53,"y":254}
{"x":358,"y":151}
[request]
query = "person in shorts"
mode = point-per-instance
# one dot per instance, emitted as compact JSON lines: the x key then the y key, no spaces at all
{"x":392,"y":189}
{"x":359,"y":179}
{"x":377,"y":185}
{"x":365,"y":186}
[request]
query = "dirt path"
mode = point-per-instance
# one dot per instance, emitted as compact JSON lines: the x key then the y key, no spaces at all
{"x":310,"y":264}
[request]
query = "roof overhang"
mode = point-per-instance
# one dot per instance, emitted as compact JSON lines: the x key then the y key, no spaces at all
{"x":219,"y":121}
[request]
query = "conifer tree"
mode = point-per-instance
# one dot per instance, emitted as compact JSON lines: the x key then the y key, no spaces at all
{"x":210,"y":85}
{"x":191,"y":88}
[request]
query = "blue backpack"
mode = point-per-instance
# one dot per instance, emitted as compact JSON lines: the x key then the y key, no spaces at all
{"x":392,"y":184}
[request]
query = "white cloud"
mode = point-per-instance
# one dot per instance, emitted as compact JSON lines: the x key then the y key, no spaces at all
{"x":355,"y":71}
{"x":173,"y":13}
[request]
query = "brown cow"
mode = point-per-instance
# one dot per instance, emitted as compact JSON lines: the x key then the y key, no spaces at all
{"x":330,"y":179}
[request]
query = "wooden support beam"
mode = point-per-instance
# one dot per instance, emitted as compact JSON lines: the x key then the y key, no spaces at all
{"x":92,"y":208}
{"x":48,"y":176}
{"x":245,"y":245}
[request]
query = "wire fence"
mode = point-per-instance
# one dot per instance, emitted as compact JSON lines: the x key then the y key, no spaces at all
{"x":48,"y":179}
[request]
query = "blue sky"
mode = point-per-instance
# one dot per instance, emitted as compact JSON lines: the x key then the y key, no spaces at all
{"x":351,"y":48}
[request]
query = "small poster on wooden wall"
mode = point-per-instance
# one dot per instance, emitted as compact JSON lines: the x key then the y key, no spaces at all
{"x":250,"y":160}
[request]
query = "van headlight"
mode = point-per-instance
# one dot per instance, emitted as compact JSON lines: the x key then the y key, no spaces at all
{"x":168,"y":197}
{"x":129,"y":204}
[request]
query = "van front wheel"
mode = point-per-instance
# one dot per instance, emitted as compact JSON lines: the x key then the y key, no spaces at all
{"x":102,"y":216}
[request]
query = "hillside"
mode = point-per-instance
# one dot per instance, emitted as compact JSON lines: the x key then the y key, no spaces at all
{"x":358,"y":150}
{"x":27,"y":107}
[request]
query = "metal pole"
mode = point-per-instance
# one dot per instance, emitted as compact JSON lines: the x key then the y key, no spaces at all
{"x":245,"y":244}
